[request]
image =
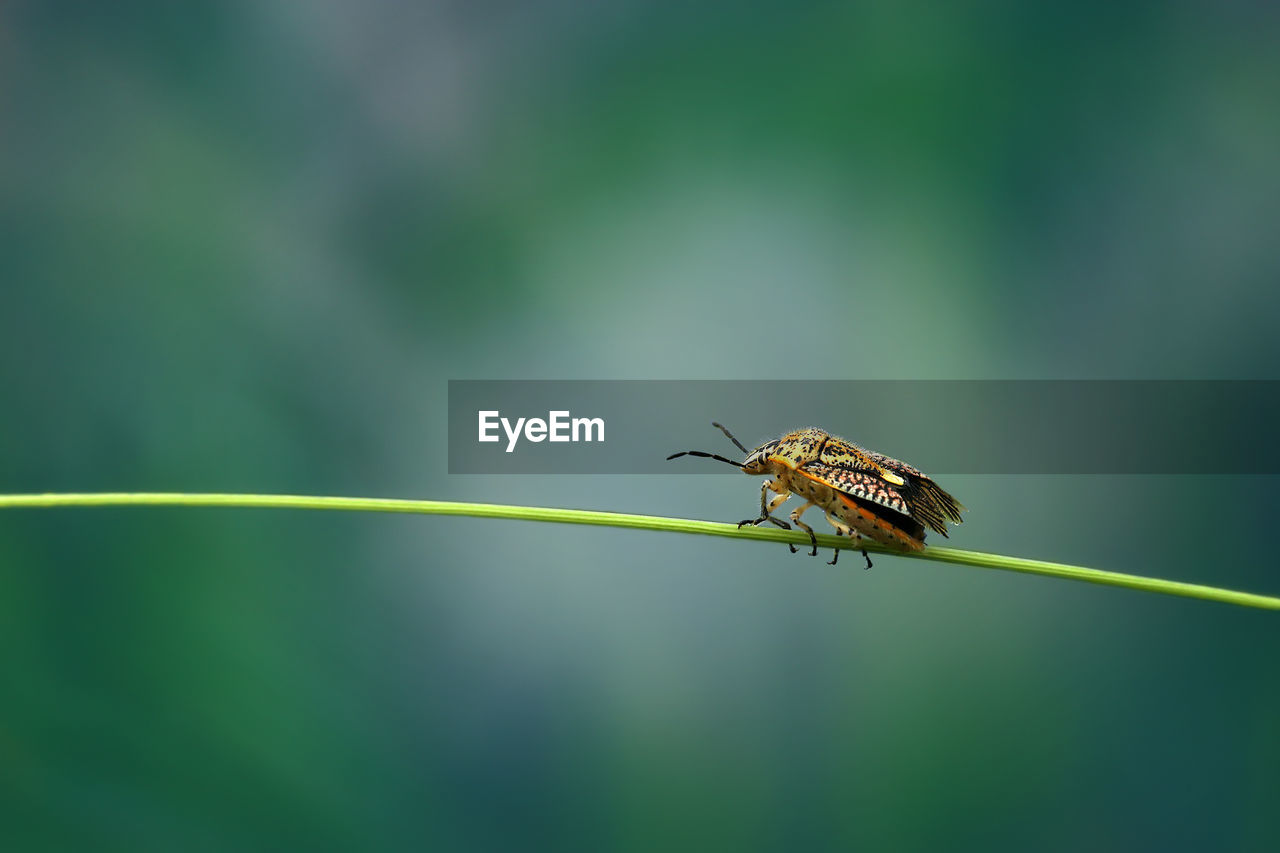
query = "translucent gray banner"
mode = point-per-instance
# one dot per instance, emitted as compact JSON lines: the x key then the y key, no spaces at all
{"x":940,"y":426}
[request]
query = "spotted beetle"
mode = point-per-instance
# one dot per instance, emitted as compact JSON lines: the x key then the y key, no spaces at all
{"x":863,"y":493}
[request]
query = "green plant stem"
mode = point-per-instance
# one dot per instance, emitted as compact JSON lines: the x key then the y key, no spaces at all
{"x":640,"y":522}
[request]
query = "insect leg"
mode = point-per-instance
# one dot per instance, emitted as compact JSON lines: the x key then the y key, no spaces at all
{"x":783,"y":494}
{"x":795,"y":519}
{"x":842,"y":529}
{"x":767,"y":507}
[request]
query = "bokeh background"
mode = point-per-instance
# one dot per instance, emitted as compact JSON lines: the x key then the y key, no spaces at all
{"x":244,"y":245}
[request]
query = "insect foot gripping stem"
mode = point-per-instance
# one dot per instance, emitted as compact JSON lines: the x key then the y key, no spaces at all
{"x":863,"y":493}
{"x":766,"y":509}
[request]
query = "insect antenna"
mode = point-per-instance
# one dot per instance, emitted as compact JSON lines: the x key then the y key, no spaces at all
{"x":731,"y":438}
{"x":717,"y":457}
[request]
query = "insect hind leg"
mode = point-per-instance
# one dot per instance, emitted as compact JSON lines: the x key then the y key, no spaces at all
{"x":843,"y":529}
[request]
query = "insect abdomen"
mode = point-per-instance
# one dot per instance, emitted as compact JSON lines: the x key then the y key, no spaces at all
{"x":879,"y":523}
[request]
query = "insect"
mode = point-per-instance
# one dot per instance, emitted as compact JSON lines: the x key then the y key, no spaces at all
{"x":863,"y":493}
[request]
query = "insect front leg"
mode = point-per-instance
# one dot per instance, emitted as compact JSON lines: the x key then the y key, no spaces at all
{"x":795,"y":519}
{"x":767,"y":507}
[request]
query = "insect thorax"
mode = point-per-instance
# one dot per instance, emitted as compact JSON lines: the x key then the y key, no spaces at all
{"x":798,"y":448}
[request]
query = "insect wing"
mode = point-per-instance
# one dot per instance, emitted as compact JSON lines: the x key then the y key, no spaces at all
{"x":838,"y":453}
{"x":926,"y":500}
{"x":860,"y":484}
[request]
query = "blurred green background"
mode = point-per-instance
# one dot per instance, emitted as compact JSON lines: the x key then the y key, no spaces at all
{"x":243,"y":246}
